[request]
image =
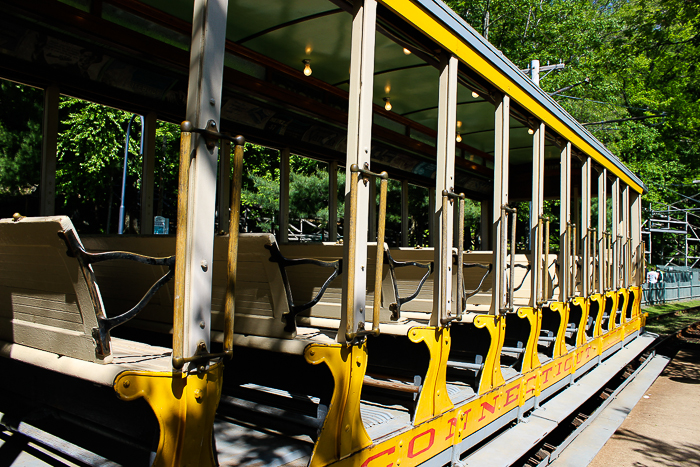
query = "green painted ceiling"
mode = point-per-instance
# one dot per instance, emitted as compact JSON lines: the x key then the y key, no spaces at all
{"x":290,"y":31}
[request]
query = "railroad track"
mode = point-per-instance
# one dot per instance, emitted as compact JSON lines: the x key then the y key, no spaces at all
{"x":551,"y":446}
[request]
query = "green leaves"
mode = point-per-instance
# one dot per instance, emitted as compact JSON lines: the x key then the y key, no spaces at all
{"x":20,"y":139}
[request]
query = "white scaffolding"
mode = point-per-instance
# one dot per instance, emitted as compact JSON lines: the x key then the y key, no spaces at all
{"x":685,"y":249}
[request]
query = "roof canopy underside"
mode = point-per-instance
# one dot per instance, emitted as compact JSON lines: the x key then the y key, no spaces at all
{"x":268,"y":42}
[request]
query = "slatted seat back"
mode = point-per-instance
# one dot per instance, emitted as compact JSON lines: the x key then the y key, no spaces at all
{"x":45,"y":301}
{"x":307,"y":280}
{"x":473,"y":276}
{"x":408,"y":278}
{"x":260,"y":295}
{"x":484,"y":297}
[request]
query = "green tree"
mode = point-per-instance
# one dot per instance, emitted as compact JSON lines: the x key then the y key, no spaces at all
{"x":90,"y":163}
{"x":21,"y":110}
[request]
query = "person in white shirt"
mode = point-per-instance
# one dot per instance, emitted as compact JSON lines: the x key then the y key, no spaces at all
{"x":652,"y":277}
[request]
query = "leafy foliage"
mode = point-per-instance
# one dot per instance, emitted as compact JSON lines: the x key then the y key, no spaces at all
{"x":641,"y":59}
{"x":90,"y":164}
{"x":21,"y":109}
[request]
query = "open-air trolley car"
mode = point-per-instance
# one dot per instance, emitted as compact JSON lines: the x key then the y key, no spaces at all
{"x":247,"y":349}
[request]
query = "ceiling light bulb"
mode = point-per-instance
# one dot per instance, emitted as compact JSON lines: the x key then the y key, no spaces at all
{"x":531,"y":131}
{"x":387,"y":104}
{"x":307,"y":67}
{"x":459,"y":123}
{"x":475,"y":94}
{"x":459,"y":137}
{"x":406,"y":51}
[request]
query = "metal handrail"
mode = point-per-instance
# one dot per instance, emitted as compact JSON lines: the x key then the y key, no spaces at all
{"x":608,"y":244}
{"x":507,"y":211}
{"x":352,"y":331}
{"x":571,"y":231}
{"x":619,"y":253}
{"x":446,"y":317}
{"x":543,"y":221}
{"x":594,"y":243}
{"x":186,"y":156}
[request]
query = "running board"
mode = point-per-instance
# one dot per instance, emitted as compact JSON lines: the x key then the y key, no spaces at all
{"x":542,"y":421}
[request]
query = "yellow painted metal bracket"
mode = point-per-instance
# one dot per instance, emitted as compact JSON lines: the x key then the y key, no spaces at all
{"x":491,"y":376}
{"x":598,"y":298}
{"x":433,"y":400}
{"x":613,"y":312}
{"x":185,"y":405}
{"x":626,"y":295}
{"x":583,"y":303}
{"x":343,"y":432}
{"x":637,"y":304}
{"x":534,"y":316}
{"x":559,"y":344}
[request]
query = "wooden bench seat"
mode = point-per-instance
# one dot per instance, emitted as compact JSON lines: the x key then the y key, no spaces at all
{"x":262,"y":304}
{"x":261,"y":301}
{"x":51,"y":307}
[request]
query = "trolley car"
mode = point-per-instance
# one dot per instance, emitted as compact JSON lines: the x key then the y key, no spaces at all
{"x":249,"y":349}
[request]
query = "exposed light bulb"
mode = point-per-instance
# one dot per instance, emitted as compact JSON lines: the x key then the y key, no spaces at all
{"x":531,"y":131}
{"x":459,"y":123}
{"x":387,"y":104}
{"x":459,"y":137}
{"x":307,"y":67}
{"x":406,"y":51}
{"x":475,"y":94}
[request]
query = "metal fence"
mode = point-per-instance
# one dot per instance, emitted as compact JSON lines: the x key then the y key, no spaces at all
{"x":677,"y":283}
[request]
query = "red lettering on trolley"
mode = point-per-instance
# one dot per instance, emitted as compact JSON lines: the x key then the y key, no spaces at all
{"x":466,"y":418}
{"x":412,"y":454}
{"x":567,"y":362}
{"x":453,"y":425}
{"x":558,"y":369}
{"x":547,"y":373}
{"x":509,"y":399}
{"x":588,"y":351}
{"x":383,"y":453}
{"x":489,"y":407}
{"x":527,"y":391}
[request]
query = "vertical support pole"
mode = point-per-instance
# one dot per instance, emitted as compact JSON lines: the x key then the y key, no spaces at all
{"x":636,"y":234}
{"x":587,"y":268}
{"x":612,"y":269}
{"x":372,"y":237}
{"x":431,"y":217}
{"x":358,"y":152}
{"x":333,"y":201}
{"x":536,"y":214}
{"x":500,"y":198}
{"x":564,"y":220}
{"x":627,"y":244}
{"x":447,"y":121}
{"x":485,"y":224}
{"x":284,"y":196}
{"x":602,"y":227}
{"x":224,"y":206}
{"x":49,"y":146}
{"x":203,"y":107}
{"x":148,"y":173}
{"x":404,"y":213}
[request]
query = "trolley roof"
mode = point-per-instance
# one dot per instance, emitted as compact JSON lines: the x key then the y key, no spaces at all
{"x":134,"y":54}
